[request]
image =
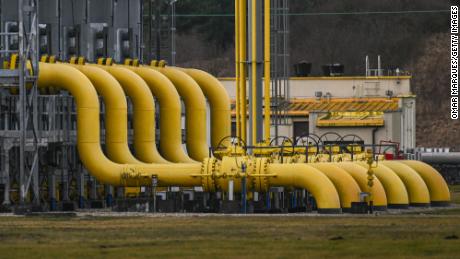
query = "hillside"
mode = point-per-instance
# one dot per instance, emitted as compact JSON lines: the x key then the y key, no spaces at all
{"x":415,"y":42}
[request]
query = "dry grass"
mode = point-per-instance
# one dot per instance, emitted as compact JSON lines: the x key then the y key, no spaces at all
{"x":230,"y":237}
{"x":434,"y":234}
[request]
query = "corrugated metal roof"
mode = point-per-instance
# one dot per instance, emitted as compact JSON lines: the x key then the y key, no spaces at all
{"x":303,"y":106}
{"x":351,"y":119}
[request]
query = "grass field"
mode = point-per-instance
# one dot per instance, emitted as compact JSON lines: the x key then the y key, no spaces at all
{"x":431,"y":234}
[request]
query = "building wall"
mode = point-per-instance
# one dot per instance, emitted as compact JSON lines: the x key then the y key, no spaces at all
{"x":339,"y":86}
{"x":399,"y":126}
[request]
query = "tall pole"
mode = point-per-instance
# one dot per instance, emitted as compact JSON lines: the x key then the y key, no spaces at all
{"x":22,"y":102}
{"x":267,"y":65}
{"x":243,"y":59}
{"x":255,"y":100}
{"x":237,"y":68}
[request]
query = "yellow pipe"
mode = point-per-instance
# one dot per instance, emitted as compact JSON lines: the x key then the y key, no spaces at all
{"x":307,"y":177}
{"x":254,"y":71}
{"x":116,"y":114}
{"x":395,"y":190}
{"x":219,"y":103}
{"x":437,"y":186}
{"x":346,"y":186}
{"x":237,"y":68}
{"x":88,"y":137}
{"x":359,"y":173}
{"x":143,"y":113}
{"x":243,"y":52}
{"x":195,"y":112}
{"x":267,"y":78}
{"x":170,"y":114}
{"x":416,"y":187}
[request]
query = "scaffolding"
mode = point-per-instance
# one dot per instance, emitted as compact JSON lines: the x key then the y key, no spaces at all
{"x":159,"y":21}
{"x":280,"y":63}
{"x":20,"y":41}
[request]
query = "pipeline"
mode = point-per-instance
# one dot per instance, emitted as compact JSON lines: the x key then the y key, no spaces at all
{"x":195,"y":111}
{"x":219,"y":102}
{"x":210,"y":174}
{"x":88,"y":137}
{"x":170,"y":114}
{"x":143,"y":115}
{"x":116,"y":122}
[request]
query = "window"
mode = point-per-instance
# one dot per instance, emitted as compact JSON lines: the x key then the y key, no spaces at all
{"x":300,"y":129}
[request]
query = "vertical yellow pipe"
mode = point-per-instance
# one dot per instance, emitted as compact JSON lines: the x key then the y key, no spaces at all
{"x":237,"y":69}
{"x":254,"y":71}
{"x":243,"y":46}
{"x":267,"y":79}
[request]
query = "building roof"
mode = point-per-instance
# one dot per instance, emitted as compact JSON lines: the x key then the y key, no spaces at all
{"x":303,"y":106}
{"x":400,"y":77}
{"x":351,"y":119}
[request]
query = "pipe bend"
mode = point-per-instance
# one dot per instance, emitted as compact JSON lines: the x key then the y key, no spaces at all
{"x":170,"y":114}
{"x":437,"y":186}
{"x":310,"y":178}
{"x":416,"y":187}
{"x":195,"y":111}
{"x":219,"y":103}
{"x":359,"y":173}
{"x":88,"y":137}
{"x":143,"y":113}
{"x":346,"y":186}
{"x":116,"y":135}
{"x":395,"y":189}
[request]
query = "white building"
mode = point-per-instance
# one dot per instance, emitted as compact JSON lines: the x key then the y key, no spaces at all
{"x":374,"y":108}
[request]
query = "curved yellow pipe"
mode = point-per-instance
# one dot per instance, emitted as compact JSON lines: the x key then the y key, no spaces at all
{"x":358,"y":173}
{"x":195,"y":111}
{"x":116,"y":113}
{"x":346,"y":186}
{"x":416,"y":187}
{"x":88,"y":137}
{"x":170,"y":114}
{"x":219,"y":103}
{"x":395,"y":189}
{"x":143,"y":113}
{"x":307,"y":177}
{"x":437,"y":186}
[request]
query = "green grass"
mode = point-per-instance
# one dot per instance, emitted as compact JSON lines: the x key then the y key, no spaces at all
{"x":230,"y":237}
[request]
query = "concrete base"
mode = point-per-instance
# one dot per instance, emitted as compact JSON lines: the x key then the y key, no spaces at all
{"x":5,"y":209}
{"x":358,"y":208}
{"x":97,"y":204}
{"x":230,"y":207}
{"x":68,"y":206}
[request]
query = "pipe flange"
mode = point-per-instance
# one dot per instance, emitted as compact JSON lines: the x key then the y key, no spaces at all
{"x":208,"y":169}
{"x":259,"y":181}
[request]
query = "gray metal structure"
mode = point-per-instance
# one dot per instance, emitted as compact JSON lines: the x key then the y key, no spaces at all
{"x":280,"y":62}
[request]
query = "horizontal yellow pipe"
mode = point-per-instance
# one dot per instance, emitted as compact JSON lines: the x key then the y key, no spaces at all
{"x":88,"y":137}
{"x":143,"y":113}
{"x":346,"y":186}
{"x":395,"y":189}
{"x":219,"y":103}
{"x":416,"y":187}
{"x":116,"y":114}
{"x":170,"y":114}
{"x":359,"y":173}
{"x":309,"y":178}
{"x":195,"y":112}
{"x":437,"y":186}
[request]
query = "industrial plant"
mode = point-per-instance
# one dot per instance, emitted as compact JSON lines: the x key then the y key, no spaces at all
{"x":96,"y":116}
